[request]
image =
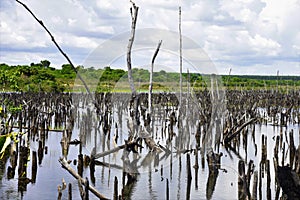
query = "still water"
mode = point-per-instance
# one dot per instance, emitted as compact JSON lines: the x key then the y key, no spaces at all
{"x":152,"y":180}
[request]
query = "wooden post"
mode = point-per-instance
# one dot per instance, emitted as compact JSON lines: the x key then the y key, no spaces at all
{"x":254,"y":188}
{"x":260,"y":182}
{"x":70,"y":191}
{"x":167,"y":191}
{"x":243,"y":189}
{"x":22,"y":169}
{"x":283,"y":153}
{"x":196,"y":166}
{"x":86,"y":189}
{"x":33,"y":167}
{"x":80,"y":164}
{"x":40,"y":152}
{"x":116,"y":188}
{"x":92,"y":170}
{"x":249,"y":172}
{"x":188,"y":165}
{"x":292,"y":149}
{"x":276,"y":148}
{"x":268,"y":180}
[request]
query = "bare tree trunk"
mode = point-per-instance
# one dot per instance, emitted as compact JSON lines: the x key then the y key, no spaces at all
{"x":180,"y":58}
{"x":188,"y":92}
{"x":134,"y":12}
{"x":151,"y":76}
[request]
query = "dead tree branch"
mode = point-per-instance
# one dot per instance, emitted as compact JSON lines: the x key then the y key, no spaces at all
{"x":65,"y":164}
{"x":56,"y":44}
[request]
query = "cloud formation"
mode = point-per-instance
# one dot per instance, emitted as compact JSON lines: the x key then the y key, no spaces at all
{"x":249,"y":36}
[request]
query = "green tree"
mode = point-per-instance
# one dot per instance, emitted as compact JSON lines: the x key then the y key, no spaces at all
{"x":45,"y":63}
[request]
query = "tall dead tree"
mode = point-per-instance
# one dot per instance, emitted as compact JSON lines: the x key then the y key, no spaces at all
{"x":180,"y":57}
{"x":134,"y":12}
{"x":151,"y":76}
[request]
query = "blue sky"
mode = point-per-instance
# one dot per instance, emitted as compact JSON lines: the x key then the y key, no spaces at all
{"x":248,"y":36}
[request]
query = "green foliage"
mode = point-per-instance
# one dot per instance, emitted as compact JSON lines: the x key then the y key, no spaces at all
{"x":45,"y":63}
{"x":67,"y":71}
{"x":15,"y":109}
{"x":35,"y":77}
{"x":111,"y":75}
{"x":41,"y":76}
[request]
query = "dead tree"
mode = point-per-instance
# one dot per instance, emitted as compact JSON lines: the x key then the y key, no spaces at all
{"x":151,"y":75}
{"x":134,"y":12}
{"x":180,"y":57}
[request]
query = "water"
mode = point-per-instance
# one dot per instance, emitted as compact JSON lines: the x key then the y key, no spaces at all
{"x":151,"y":181}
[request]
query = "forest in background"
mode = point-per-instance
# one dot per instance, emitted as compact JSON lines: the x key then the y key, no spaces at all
{"x":38,"y":77}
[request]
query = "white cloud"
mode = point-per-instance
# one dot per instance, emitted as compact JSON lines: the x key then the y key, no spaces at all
{"x":265,"y":46}
{"x":244,"y":34}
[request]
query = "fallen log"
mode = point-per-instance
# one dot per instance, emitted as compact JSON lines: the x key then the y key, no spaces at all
{"x":66,"y":166}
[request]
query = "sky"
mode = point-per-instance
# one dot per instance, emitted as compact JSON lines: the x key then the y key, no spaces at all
{"x":247,"y":36}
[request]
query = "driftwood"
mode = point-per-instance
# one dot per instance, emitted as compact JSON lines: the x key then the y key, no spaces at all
{"x":66,"y":166}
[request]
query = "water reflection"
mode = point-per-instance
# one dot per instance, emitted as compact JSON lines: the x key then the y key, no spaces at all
{"x":143,"y":172}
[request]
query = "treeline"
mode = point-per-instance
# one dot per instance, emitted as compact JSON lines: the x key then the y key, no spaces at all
{"x":35,"y":77}
{"x":42,"y":77}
